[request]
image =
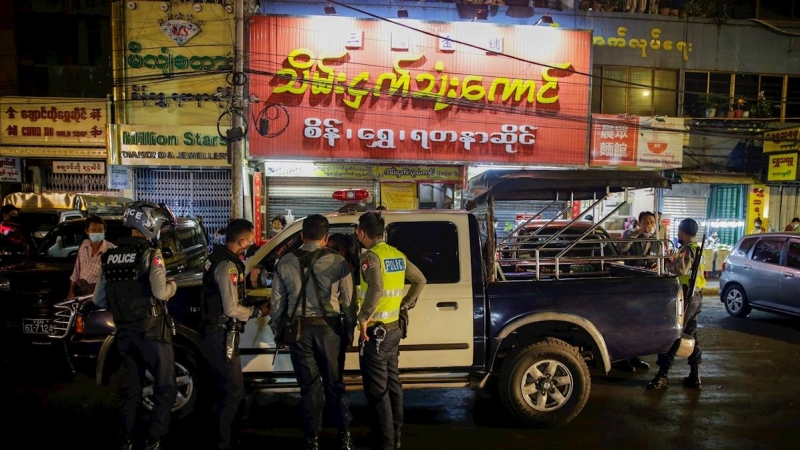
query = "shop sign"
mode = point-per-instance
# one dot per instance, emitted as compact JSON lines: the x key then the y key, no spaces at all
{"x":781,"y":140}
{"x":642,"y":45}
{"x":53,"y":121}
{"x":782,"y":167}
{"x":362,"y":171}
{"x":634,"y":141}
{"x":119,"y":177}
{"x":79,"y":167}
{"x":461,"y":103}
{"x":138,"y":145}
{"x":757,"y":202}
{"x":10,"y":170}
{"x":416,"y":173}
{"x":175,"y":62}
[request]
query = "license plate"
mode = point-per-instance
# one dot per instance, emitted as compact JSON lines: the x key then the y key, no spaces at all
{"x":37,"y":326}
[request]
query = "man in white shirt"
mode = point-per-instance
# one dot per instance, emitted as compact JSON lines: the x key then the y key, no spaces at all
{"x":87,"y":269}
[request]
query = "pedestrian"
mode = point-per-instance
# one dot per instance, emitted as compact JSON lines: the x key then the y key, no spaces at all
{"x":133,"y":285}
{"x":681,"y":264}
{"x":224,"y":318}
{"x":383,"y":307}
{"x":757,"y":226}
{"x":86,"y":272}
{"x":794,"y":225}
{"x":315,"y":283}
{"x":278,"y":224}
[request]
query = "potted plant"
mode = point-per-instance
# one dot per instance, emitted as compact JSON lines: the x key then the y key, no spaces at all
{"x":707,"y":103}
{"x":739,"y":111}
{"x":761,"y":108}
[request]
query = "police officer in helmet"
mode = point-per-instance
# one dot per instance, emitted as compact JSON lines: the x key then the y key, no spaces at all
{"x":381,"y":318}
{"x":134,"y":287}
{"x":223,"y":321}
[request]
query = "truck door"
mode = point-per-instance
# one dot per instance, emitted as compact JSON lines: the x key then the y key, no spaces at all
{"x":440,"y":330}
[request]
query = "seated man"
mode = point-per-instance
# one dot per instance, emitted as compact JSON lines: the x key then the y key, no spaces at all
{"x":646,"y":230}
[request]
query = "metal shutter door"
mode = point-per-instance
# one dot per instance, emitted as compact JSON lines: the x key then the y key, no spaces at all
{"x":726,"y":205}
{"x":305,"y":196}
{"x":679,"y":208}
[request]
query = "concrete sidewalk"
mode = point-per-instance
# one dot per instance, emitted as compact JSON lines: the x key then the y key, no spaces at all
{"x":712,"y":287}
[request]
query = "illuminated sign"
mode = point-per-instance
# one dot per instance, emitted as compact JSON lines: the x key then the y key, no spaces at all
{"x":53,"y":121}
{"x":782,"y":167}
{"x":633,"y":141}
{"x":148,"y":145}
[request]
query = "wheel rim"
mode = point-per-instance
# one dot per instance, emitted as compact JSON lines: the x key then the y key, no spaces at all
{"x":547,"y":385}
{"x":184,"y":382}
{"x":734,"y":301}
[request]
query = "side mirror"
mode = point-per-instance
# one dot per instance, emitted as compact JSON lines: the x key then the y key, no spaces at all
{"x":166,"y":252}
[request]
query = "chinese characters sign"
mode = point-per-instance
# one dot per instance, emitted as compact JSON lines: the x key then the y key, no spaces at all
{"x":53,"y":121}
{"x":143,"y":145}
{"x":10,"y":171}
{"x":633,"y":141}
{"x":782,"y":167}
{"x":422,"y":97}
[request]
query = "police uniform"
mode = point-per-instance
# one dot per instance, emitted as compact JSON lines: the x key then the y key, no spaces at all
{"x":222,"y":314}
{"x":384,"y":270}
{"x":318,"y":356}
{"x":133,"y":286}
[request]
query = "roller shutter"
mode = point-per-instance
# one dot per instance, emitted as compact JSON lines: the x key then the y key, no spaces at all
{"x":306,"y":196}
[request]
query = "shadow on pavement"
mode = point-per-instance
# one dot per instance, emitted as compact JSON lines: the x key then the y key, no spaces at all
{"x":766,"y":325}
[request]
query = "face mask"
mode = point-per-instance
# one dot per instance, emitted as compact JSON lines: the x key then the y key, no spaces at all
{"x":97,"y":237}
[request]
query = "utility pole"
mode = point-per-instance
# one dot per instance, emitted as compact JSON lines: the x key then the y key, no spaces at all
{"x":237,"y":120}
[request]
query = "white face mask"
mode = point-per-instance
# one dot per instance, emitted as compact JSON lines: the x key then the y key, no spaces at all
{"x":97,"y":237}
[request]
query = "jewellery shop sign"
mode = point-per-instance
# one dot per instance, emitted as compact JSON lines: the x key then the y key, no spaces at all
{"x":148,"y":145}
{"x":372,"y":90}
{"x":53,"y":121}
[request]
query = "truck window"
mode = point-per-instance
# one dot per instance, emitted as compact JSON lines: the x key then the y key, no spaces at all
{"x":431,"y":246}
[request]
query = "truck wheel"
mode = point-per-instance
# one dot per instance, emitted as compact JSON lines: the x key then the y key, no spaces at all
{"x":187,"y":374}
{"x":546,"y":383}
{"x":736,"y":301}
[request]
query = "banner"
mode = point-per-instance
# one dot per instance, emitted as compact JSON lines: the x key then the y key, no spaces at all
{"x":10,"y":170}
{"x":53,"y":121}
{"x":367,"y":89}
{"x":634,"y":141}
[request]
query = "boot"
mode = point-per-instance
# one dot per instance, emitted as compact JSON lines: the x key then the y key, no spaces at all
{"x":397,"y":434}
{"x":153,"y":444}
{"x":346,"y":440}
{"x":127,"y":444}
{"x":693,"y":380}
{"x":659,"y":382}
{"x":312,"y":443}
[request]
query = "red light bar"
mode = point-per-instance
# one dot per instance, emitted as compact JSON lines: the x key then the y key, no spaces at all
{"x":351,"y":195}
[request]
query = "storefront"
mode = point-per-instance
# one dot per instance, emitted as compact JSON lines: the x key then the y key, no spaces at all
{"x":782,"y":149}
{"x":54,"y":144}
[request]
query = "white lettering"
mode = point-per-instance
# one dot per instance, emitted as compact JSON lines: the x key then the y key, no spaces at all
{"x":122,"y":259}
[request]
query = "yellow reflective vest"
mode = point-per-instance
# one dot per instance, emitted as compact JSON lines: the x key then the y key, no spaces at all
{"x":393,"y":273}
{"x":700,"y":282}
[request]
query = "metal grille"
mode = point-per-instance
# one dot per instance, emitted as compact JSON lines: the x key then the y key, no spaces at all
{"x":678,"y":208}
{"x":189,"y":193}
{"x":505,"y":212}
{"x":305,"y":196}
{"x":70,"y":182}
{"x":726,"y":212}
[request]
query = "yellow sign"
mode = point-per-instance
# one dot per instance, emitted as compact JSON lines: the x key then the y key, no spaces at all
{"x":782,"y":167}
{"x":399,"y":196}
{"x":148,"y":145}
{"x":174,"y":62}
{"x":416,"y":173}
{"x":781,"y":140}
{"x":362,"y":171}
{"x":53,"y":121}
{"x":757,"y":206}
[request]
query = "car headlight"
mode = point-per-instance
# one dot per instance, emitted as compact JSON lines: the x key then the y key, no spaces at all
{"x":5,"y":285}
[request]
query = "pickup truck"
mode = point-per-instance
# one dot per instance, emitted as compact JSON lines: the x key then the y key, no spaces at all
{"x":530,"y":336}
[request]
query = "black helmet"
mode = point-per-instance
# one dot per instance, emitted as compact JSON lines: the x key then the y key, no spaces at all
{"x":147,"y":218}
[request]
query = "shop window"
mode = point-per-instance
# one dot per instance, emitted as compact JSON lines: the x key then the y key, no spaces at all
{"x":743,"y":86}
{"x":634,"y":90}
{"x":768,"y":251}
{"x":793,"y":98}
{"x":431,"y":246}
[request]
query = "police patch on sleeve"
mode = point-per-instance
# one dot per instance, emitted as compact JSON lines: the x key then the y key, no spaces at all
{"x":364,"y":265}
{"x":158,"y":261}
{"x":234,"y":274}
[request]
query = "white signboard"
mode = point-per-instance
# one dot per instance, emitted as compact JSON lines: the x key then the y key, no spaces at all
{"x":119,"y":177}
{"x":10,"y":170}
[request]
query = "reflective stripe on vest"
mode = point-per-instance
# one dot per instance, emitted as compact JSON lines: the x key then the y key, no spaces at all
{"x":393,"y":274}
{"x":700,"y":281}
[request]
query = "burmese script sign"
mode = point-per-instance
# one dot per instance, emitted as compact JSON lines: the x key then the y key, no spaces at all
{"x":633,"y":141}
{"x":79,"y":167}
{"x":782,"y":167}
{"x":363,"y":89}
{"x":149,"y":145}
{"x":400,"y":172}
{"x":53,"y":121}
{"x":10,"y":171}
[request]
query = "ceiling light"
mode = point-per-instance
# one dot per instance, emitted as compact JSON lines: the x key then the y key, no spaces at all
{"x":402,"y":13}
{"x":330,"y":10}
{"x":545,"y":19}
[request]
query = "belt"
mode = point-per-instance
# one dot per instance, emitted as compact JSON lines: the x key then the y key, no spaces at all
{"x":222,"y":320}
{"x":389,"y":326}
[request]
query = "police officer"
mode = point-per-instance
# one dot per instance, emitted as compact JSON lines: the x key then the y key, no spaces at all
{"x":316,"y":284}
{"x":134,"y":287}
{"x":681,"y":265}
{"x":384,"y":270}
{"x":223,"y":320}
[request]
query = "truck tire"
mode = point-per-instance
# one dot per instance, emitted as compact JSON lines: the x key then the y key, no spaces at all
{"x":187,"y":373}
{"x":546,"y":383}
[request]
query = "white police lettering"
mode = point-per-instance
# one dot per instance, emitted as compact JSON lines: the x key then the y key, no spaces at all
{"x":511,"y":137}
{"x":122,"y":259}
{"x":394,"y":264}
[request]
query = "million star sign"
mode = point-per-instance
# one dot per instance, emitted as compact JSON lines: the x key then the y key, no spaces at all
{"x":367,"y":89}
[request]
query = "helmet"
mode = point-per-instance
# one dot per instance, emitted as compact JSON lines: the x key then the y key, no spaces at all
{"x":147,"y":218}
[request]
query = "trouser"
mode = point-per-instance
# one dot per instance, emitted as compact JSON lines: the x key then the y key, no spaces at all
{"x":228,"y":379}
{"x":382,"y":387}
{"x":665,"y":360}
{"x":318,"y":362}
{"x":139,"y":355}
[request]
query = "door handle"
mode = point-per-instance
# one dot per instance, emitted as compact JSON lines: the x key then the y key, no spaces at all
{"x":747,"y":267}
{"x":447,"y":305}
{"x":788,"y":274}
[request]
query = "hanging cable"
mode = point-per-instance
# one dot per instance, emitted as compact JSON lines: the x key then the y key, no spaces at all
{"x":272,"y":120}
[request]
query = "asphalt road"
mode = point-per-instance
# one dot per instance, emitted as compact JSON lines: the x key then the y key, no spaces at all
{"x":749,"y":400}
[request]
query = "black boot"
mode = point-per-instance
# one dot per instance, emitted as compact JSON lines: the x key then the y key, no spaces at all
{"x":397,"y":434}
{"x":693,"y":380}
{"x":346,"y":440}
{"x":153,"y":444}
{"x":312,"y":443}
{"x":660,"y":381}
